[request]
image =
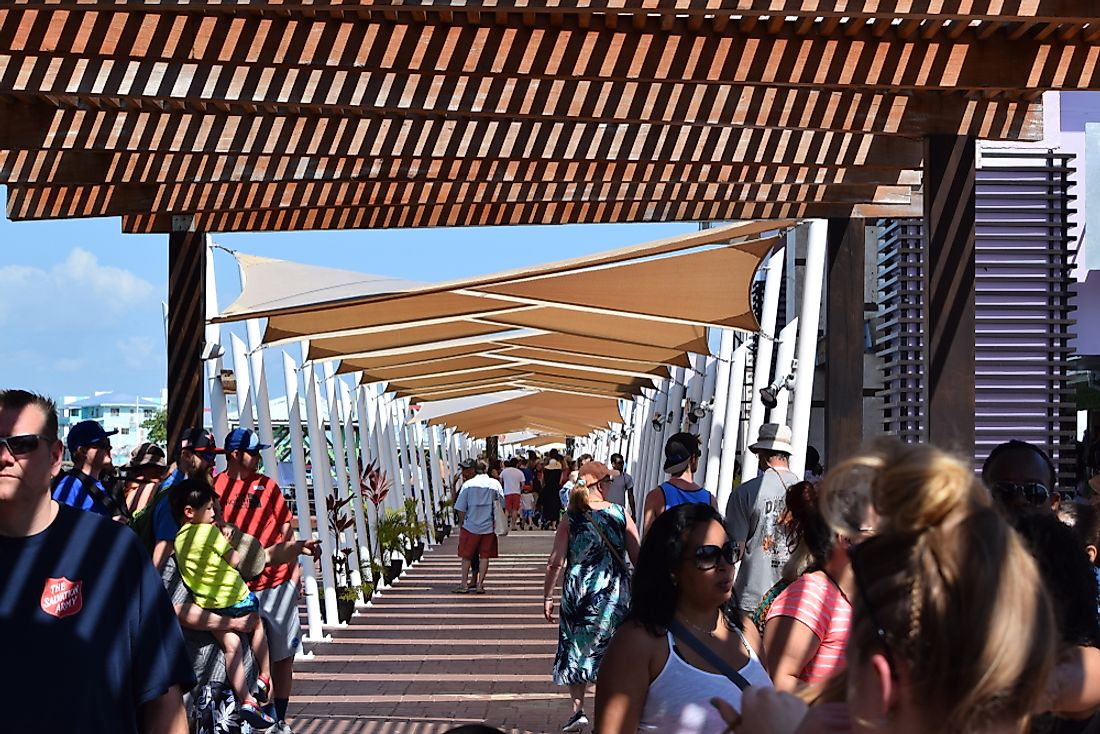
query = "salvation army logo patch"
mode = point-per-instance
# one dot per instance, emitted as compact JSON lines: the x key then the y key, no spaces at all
{"x":62,"y":598}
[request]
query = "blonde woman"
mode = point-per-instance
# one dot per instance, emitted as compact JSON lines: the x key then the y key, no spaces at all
{"x":592,"y":544}
{"x":952,"y":631}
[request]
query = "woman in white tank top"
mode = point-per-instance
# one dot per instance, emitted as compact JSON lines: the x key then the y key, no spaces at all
{"x":651,"y":680}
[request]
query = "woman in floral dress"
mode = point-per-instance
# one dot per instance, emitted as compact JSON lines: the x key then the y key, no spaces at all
{"x":592,"y":544}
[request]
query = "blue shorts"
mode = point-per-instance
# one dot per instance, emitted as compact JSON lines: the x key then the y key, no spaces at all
{"x":528,"y":514}
{"x":244,"y":607}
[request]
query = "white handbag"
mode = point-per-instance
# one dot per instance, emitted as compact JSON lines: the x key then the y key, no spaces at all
{"x":500,"y":518}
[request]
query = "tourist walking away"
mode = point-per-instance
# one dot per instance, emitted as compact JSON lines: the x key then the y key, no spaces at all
{"x":254,"y":503}
{"x":91,"y":643}
{"x":549,"y":500}
{"x":477,"y":537}
{"x":512,"y":479}
{"x":592,"y":544}
{"x":467,"y":469}
{"x":753,"y":516}
{"x":952,"y":630}
{"x":80,"y":487}
{"x":143,"y":474}
{"x":194,"y":460}
{"x":681,"y":463}
{"x":621,"y":491}
{"x":677,"y":648}
{"x":208,"y":565}
{"x":806,"y":625}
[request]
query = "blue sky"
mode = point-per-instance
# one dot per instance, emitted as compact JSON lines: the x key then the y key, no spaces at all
{"x":80,"y":303}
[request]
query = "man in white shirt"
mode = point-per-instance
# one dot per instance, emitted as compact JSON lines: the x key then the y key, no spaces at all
{"x":477,"y":537}
{"x":512,"y":478}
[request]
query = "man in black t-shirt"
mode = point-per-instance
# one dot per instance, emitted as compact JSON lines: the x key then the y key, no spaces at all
{"x":91,"y":643}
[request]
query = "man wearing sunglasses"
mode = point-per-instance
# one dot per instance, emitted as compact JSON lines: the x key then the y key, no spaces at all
{"x":254,"y":503}
{"x":90,"y":448}
{"x":81,"y":602}
{"x":1020,"y":476}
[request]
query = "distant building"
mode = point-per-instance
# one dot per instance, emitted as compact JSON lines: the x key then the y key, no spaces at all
{"x":113,"y":410}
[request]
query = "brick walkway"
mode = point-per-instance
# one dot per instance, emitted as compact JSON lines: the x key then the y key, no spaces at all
{"x":422,"y":660}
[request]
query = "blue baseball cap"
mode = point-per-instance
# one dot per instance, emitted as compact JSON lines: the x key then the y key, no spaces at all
{"x":242,"y":439}
{"x":86,"y":433}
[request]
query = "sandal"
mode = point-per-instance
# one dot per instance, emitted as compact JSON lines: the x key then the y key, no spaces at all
{"x":460,"y":590}
{"x":481,"y":590}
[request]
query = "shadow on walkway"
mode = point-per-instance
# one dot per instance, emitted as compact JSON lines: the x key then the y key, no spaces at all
{"x":422,"y":660}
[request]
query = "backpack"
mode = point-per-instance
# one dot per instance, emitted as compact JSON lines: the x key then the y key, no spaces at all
{"x":142,"y":522}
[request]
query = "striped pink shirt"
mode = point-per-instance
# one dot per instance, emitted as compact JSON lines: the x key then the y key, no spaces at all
{"x":816,"y":602}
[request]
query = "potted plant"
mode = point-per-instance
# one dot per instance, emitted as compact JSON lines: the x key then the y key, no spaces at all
{"x":413,"y":532}
{"x":442,"y":518}
{"x":374,"y":485}
{"x":391,"y":525}
{"x":347,"y":593}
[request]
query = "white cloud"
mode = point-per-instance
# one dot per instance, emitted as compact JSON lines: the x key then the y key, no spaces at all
{"x":137,"y":352}
{"x":69,"y":292}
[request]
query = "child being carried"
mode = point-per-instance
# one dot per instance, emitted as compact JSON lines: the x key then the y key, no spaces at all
{"x":208,"y":565}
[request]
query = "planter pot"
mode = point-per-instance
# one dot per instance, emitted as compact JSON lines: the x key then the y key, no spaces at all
{"x":344,"y":609}
{"x":393,"y":570}
{"x":418,"y":550}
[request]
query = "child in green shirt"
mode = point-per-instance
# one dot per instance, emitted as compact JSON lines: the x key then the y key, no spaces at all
{"x":207,"y":563}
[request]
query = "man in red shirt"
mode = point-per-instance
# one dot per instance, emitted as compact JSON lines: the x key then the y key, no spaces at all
{"x":254,"y":503}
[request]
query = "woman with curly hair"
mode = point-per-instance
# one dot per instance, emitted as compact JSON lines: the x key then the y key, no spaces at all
{"x":592,"y":543}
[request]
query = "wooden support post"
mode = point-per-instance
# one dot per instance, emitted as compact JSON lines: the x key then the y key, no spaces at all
{"x":844,"y":334}
{"x":186,"y":324}
{"x":492,"y":448}
{"x":949,"y":228}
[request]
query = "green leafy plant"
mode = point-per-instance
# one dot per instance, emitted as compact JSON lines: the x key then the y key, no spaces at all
{"x":414,"y":528}
{"x":156,"y":427}
{"x":391,"y":527}
{"x":353,"y":593}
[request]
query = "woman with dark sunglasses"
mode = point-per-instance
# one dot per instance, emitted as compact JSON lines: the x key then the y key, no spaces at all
{"x":678,"y":648}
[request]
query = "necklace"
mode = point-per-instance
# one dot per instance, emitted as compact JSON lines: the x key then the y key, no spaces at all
{"x":709,"y":633}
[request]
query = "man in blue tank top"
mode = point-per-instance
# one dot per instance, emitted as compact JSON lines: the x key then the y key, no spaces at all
{"x":681,"y":462}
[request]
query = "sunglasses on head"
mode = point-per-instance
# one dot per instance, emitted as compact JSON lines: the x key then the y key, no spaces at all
{"x":22,"y":444}
{"x":706,"y":556}
{"x":1033,"y":493}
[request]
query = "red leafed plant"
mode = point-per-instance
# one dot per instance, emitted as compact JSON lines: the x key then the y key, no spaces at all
{"x":374,"y":484}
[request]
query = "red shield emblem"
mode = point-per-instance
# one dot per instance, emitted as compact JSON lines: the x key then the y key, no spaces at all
{"x":62,"y":597}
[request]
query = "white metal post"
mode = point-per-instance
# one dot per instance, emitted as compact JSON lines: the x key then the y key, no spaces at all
{"x":710,"y":369}
{"x":314,"y":631}
{"x":368,"y":440}
{"x":731,"y":425}
{"x":219,"y":417}
{"x":784,"y":359}
{"x":244,"y":384}
{"x":674,"y":408}
{"x":762,"y":365}
{"x":259,"y":391}
{"x":322,"y":480}
{"x":354,"y":472}
{"x":342,"y":489}
{"x":718,"y":407}
{"x":807,"y":342}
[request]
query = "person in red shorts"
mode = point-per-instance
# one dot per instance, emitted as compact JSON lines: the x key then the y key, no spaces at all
{"x":254,"y":503}
{"x":477,"y":538}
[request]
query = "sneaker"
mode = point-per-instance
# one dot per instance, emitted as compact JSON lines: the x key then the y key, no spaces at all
{"x":254,"y":716}
{"x":282,"y":728}
{"x":577,"y":723}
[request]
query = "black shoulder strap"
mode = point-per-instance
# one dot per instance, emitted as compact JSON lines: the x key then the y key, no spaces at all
{"x":103,"y":498}
{"x":680,"y":633}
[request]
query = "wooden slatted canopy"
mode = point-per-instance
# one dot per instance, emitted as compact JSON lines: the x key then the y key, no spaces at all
{"x":252,"y":115}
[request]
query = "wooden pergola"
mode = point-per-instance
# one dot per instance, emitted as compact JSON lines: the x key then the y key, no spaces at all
{"x":261,"y":115}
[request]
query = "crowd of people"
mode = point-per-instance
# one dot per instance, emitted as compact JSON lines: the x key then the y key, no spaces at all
{"x":898,"y":589}
{"x":170,"y":594}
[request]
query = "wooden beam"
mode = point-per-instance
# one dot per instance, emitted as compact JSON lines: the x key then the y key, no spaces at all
{"x":47,"y":202}
{"x":186,"y":321}
{"x":844,"y":339}
{"x":31,"y":128}
{"x":950,"y":236}
{"x":313,"y":61}
{"x":73,"y":167}
{"x":436,"y":215}
{"x":1052,"y":10}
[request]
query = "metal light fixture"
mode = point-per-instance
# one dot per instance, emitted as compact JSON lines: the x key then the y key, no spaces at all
{"x":769,"y":395}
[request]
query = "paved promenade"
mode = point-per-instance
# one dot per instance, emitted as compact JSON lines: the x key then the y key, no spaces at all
{"x":422,"y":660}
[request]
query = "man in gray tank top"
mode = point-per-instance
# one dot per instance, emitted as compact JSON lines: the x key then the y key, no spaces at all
{"x":752,"y":518}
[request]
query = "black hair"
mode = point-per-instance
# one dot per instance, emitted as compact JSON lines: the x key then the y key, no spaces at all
{"x":193,"y":493}
{"x":473,"y":729}
{"x":1013,"y":445}
{"x":19,"y":399}
{"x":654,"y":592}
{"x":813,"y":460}
{"x":618,"y":456}
{"x":1067,"y":575}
